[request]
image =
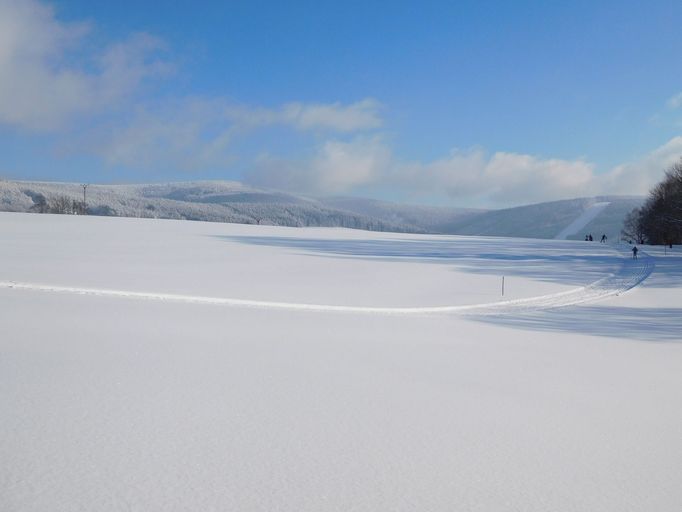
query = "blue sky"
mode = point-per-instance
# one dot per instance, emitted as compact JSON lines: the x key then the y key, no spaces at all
{"x":458,"y":103}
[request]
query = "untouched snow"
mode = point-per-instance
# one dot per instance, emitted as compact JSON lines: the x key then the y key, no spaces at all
{"x":117,"y":403}
{"x":583,"y":220}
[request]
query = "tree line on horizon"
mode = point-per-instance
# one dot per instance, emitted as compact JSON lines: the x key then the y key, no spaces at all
{"x":659,"y":220}
{"x":59,"y":204}
{"x":277,"y":214}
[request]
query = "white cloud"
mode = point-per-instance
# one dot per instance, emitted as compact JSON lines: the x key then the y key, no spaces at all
{"x":336,"y":167}
{"x":473,"y":178}
{"x":469,"y":177}
{"x":638,"y":177}
{"x":41,"y":85}
{"x":510,"y":178}
{"x":48,"y":76}
{"x":340,"y":166}
{"x":501,"y":179}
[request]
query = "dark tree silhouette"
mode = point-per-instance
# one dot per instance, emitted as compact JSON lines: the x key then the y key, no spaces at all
{"x":659,"y":221}
{"x":39,"y":204}
{"x":632,"y":227}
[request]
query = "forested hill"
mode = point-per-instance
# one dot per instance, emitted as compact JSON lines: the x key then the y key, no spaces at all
{"x":224,"y":201}
{"x":206,"y":201}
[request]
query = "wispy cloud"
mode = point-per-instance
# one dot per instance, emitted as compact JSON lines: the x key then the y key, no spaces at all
{"x":188,"y":134}
{"x":48,"y":76}
{"x":196,"y":133}
{"x":51,"y":80}
{"x":336,"y":167}
{"x":336,"y":117}
{"x":675,"y":102}
{"x":363,"y":115}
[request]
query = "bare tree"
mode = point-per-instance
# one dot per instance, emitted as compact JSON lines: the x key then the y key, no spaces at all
{"x":61,"y":204}
{"x":632,"y":227}
{"x":659,"y":221}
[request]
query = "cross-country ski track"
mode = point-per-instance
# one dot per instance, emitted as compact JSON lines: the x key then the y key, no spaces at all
{"x":629,"y":275}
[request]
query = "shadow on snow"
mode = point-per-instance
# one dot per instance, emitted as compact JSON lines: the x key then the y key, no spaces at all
{"x":668,"y":272}
{"x":645,"y":324}
{"x":547,"y":260}
{"x":563,"y":262}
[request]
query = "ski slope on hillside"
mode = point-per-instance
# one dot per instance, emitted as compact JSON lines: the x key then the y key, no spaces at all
{"x":129,"y":380}
{"x":583,"y":220}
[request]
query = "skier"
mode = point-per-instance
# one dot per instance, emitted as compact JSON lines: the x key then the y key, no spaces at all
{"x":603,"y":238}
{"x":591,"y":239}
{"x":634,"y":252}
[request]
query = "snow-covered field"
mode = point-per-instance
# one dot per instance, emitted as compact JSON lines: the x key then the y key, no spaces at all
{"x":165,"y":365}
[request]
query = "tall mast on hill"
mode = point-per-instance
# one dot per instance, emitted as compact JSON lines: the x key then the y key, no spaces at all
{"x":85,"y":187}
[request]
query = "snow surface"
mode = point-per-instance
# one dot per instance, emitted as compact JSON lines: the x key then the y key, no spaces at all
{"x":122,"y":402}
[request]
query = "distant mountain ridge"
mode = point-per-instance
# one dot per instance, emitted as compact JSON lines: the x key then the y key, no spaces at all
{"x":226,"y":201}
{"x":548,"y":220}
{"x":430,"y":219}
{"x":205,"y":201}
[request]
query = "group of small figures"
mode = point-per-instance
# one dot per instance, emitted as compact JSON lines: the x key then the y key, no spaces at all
{"x":588,"y":238}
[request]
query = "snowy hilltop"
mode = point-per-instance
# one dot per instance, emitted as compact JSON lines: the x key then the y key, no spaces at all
{"x":226,"y":201}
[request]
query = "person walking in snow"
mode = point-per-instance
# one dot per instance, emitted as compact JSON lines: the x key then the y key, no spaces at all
{"x":634,"y":252}
{"x":591,"y":239}
{"x":603,"y":238}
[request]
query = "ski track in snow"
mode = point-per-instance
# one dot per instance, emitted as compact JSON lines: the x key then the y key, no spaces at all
{"x":631,"y":274}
